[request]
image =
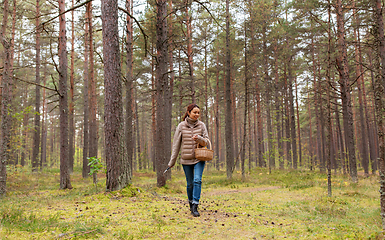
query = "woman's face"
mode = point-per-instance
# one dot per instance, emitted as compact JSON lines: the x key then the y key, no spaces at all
{"x":194,"y":114}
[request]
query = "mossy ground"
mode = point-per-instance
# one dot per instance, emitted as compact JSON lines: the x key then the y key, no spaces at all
{"x":283,"y":204}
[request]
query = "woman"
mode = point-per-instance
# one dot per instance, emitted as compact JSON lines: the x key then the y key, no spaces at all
{"x":188,"y":134}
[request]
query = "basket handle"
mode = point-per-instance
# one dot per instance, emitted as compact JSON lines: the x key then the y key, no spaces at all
{"x":209,"y":144}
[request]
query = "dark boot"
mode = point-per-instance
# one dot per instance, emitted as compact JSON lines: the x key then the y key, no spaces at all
{"x":191,"y":206}
{"x":194,"y":211}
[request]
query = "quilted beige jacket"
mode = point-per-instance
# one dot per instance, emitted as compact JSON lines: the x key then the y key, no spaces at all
{"x":183,"y":141}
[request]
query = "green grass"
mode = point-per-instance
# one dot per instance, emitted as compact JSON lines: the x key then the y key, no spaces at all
{"x":283,"y":204}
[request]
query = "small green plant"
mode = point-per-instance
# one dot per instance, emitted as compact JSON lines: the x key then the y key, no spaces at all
{"x":95,"y":166}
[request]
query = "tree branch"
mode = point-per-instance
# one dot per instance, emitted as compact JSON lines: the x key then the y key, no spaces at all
{"x":69,"y":10}
{"x":215,"y":20}
{"x":22,"y":80}
{"x":140,"y":27}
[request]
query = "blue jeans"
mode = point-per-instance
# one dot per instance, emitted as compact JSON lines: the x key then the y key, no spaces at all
{"x":194,"y":181}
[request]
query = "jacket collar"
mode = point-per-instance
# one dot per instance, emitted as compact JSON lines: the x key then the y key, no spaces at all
{"x":191,"y":123}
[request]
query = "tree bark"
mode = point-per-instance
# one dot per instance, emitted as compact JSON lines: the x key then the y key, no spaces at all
{"x":360,"y":80}
{"x":93,"y":129}
{"x":298,"y":125}
{"x":373,"y":127}
{"x":292,"y":117}
{"x":329,"y":107}
{"x":43,"y":155}
{"x":277,"y":108}
{"x":321,"y":116}
{"x":25,"y":132}
{"x":206,"y":113}
{"x":162,"y":88}
{"x":340,"y":139}
{"x":129,"y":84}
{"x":171,"y":47}
{"x":287,"y":121}
{"x":316,"y":106}
{"x":71,"y":135}
{"x":228,"y":99}
{"x":243,"y":148}
{"x":138,"y":138}
{"x":86,"y":168}
{"x":153,"y":113}
{"x":266,"y":78}
{"x":345,"y":92}
{"x":311,"y":151}
{"x":169,"y":92}
{"x":118,"y":169}
{"x":36,"y":133}
{"x":190,"y":49}
{"x":217,"y":117}
{"x":379,"y":96}
{"x":65,"y":181}
{"x":5,"y":104}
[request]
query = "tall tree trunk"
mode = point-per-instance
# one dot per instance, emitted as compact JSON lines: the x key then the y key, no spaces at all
{"x":229,"y":104}
{"x":257,"y":114}
{"x":153,"y":112}
{"x":118,"y":169}
{"x":71,"y":135}
{"x":316,"y":106}
{"x":372,"y":154}
{"x":14,"y":16}
{"x":217,"y":125}
{"x":43,"y":155}
{"x":25,"y":130}
{"x":206,"y":114}
{"x":243,"y":148}
{"x":322,"y":127}
{"x":134,"y":156}
{"x":93,"y":129}
{"x":15,"y":152}
{"x":329,"y":107}
{"x":36,"y":135}
{"x":266,"y":78}
{"x":129,"y":84}
{"x":138,"y":138}
{"x":373,"y":128}
{"x":235,"y":120}
{"x":277,"y":108}
{"x":65,"y":181}
{"x":189,"y":49}
{"x":5,"y":104}
{"x":310,"y":130}
{"x":287,"y":120}
{"x":340,"y":140}
{"x":379,"y":96}
{"x":261,"y":147}
{"x":162,"y":88}
{"x":345,"y":92}
{"x":53,"y":156}
{"x":86,"y":168}
{"x":169,"y":95}
{"x":292,"y":117}
{"x":298,"y":126}
{"x":360,"y":80}
{"x":11,"y":64}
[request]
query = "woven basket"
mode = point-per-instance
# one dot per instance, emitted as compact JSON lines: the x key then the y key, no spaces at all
{"x":204,"y":154}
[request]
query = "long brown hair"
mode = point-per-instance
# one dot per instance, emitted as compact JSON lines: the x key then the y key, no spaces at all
{"x":189,"y":109}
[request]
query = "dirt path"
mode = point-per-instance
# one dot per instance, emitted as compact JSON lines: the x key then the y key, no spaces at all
{"x":246,"y":190}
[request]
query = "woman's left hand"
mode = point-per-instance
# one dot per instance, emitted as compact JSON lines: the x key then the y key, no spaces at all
{"x":195,"y":137}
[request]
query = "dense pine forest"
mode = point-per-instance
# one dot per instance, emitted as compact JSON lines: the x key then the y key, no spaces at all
{"x":280,"y":85}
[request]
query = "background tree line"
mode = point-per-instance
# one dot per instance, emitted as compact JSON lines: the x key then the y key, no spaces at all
{"x":281,"y":84}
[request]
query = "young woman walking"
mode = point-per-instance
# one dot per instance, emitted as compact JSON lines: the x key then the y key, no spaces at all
{"x":187,"y":135}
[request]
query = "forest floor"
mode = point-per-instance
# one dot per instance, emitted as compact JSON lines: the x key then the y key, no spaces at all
{"x":283,"y":204}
